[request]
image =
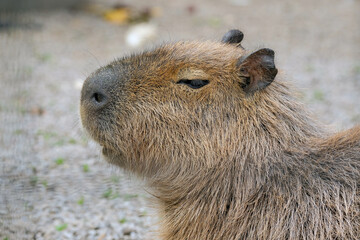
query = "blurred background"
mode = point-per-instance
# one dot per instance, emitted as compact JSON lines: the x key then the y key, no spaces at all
{"x":53,"y":183}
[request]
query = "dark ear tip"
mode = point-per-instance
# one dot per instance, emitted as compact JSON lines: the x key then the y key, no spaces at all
{"x":233,"y":36}
{"x":236,"y":32}
{"x":267,"y":51}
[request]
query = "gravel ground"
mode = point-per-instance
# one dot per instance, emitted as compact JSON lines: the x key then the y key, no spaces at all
{"x":53,"y":183}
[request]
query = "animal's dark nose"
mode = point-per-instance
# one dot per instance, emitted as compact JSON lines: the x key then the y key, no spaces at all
{"x":99,"y":98}
{"x":96,"y":91}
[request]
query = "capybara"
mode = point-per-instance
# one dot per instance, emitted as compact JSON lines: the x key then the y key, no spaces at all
{"x":223,"y":144}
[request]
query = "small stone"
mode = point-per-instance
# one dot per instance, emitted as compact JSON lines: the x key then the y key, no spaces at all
{"x":78,"y":83}
{"x":139,"y":34}
{"x":128,"y":230}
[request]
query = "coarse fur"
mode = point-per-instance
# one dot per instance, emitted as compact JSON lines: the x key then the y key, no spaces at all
{"x":224,"y":163}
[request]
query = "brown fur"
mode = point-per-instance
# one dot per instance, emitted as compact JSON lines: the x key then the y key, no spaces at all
{"x":224,"y":164}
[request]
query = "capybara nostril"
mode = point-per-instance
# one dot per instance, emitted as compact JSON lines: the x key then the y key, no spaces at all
{"x":94,"y":95}
{"x":99,"y":98}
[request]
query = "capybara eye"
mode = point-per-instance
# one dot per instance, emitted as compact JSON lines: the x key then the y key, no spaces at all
{"x":195,"y":83}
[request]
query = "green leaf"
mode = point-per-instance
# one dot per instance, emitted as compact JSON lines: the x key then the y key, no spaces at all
{"x":85,"y":168}
{"x":59,"y":161}
{"x":123,"y":220}
{"x":61,"y":227}
{"x":81,"y":201}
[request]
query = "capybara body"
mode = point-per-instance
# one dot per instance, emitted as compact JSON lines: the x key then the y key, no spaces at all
{"x":224,"y":145}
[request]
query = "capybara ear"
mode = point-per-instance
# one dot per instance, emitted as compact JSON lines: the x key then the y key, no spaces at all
{"x":233,"y":36}
{"x":257,"y":70}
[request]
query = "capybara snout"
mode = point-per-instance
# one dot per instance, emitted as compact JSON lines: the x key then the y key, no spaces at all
{"x":97,"y":91}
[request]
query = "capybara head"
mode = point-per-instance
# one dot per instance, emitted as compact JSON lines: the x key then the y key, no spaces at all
{"x":189,"y":103}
